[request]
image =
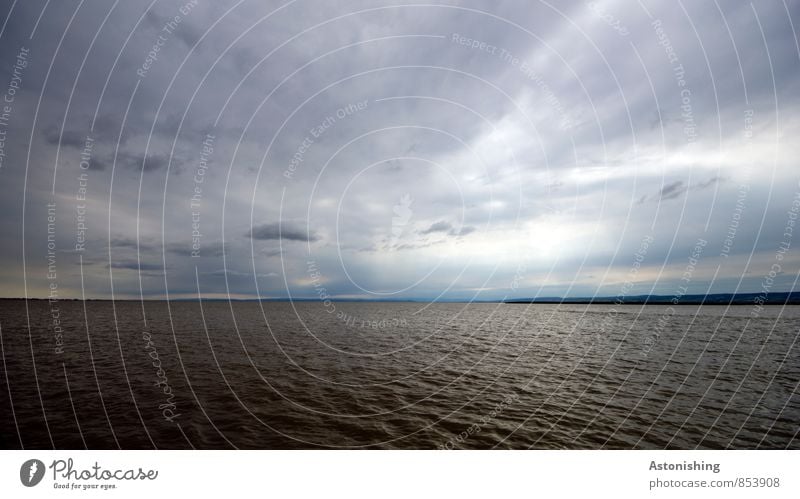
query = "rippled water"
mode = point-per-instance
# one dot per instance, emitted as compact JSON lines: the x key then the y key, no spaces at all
{"x":398,"y":375}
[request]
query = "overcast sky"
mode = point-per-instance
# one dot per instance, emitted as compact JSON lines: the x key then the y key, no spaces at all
{"x":380,"y":149}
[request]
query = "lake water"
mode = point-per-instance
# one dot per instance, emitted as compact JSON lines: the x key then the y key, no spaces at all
{"x":397,"y":375}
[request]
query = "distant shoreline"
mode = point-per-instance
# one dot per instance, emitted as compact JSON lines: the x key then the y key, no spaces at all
{"x":784,"y":298}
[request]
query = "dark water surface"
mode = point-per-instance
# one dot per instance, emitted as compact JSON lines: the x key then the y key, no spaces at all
{"x":398,"y":375}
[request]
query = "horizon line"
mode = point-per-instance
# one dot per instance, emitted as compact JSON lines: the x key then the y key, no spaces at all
{"x":789,"y":298}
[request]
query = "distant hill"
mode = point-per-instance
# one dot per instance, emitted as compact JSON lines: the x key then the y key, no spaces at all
{"x":792,"y":298}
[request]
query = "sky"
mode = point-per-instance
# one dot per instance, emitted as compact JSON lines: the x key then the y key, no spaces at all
{"x":455,"y":150}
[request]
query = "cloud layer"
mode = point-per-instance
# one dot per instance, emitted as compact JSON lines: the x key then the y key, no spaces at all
{"x":457,"y":150}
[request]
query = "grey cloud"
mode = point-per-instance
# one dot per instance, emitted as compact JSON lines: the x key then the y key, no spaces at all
{"x":152,"y":247}
{"x":207,"y":249}
{"x":446,"y":227}
{"x":415,"y":246}
{"x":269,"y":253}
{"x":52,"y":135}
{"x":672,"y":190}
{"x":276,"y":231}
{"x":440,"y":226}
{"x":463,"y":231}
{"x":236,"y":273}
{"x":134,"y":265}
{"x":147,"y":163}
{"x":98,"y":164}
{"x":709,"y":183}
{"x":128,"y":242}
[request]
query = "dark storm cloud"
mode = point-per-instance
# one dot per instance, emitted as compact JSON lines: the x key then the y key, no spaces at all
{"x":147,"y":163}
{"x":98,"y":164}
{"x":127,"y":242}
{"x":209,"y":249}
{"x":53,"y":136}
{"x":276,"y":231}
{"x":152,"y":247}
{"x":134,"y":265}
